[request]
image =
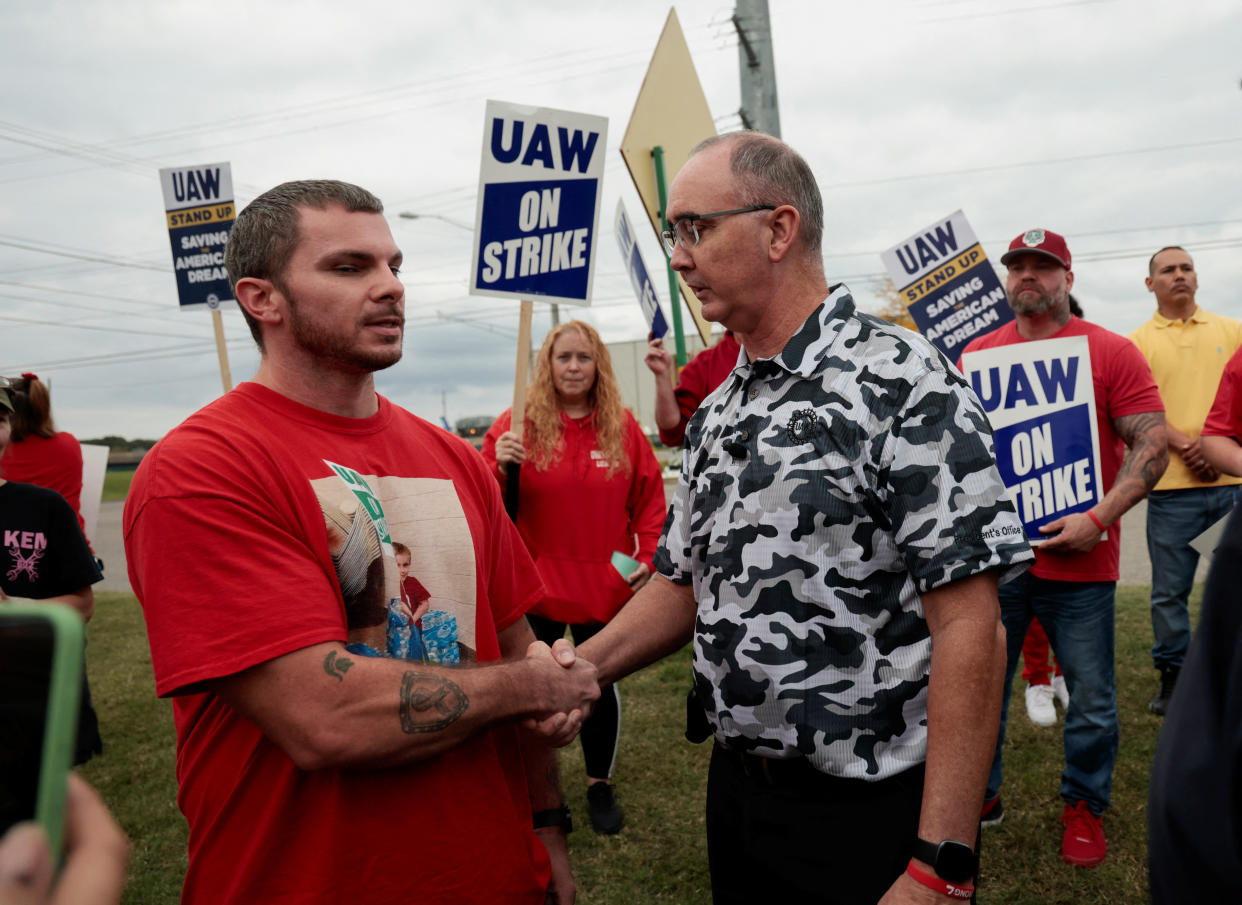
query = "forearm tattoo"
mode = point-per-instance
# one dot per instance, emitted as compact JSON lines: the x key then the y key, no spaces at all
{"x":430,"y":702}
{"x":336,"y":666}
{"x":1149,"y":452}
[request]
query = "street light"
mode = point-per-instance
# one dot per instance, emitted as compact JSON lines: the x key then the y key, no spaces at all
{"x":411,"y":215}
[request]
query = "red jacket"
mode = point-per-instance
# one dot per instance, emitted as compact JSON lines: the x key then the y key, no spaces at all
{"x":699,"y":377}
{"x":573,"y":517}
{"x":52,"y":462}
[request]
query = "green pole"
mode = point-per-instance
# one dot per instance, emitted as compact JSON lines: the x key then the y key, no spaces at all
{"x":674,"y":290}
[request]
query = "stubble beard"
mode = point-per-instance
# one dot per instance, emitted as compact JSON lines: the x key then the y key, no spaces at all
{"x":341,"y":350}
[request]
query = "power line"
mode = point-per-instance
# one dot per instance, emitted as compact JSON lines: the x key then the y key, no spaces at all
{"x":1049,"y":161}
{"x":80,"y":326}
{"x":115,"y":262}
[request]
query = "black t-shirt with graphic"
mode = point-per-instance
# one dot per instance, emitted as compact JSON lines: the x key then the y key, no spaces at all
{"x":44,"y":554}
{"x":42,"y":551}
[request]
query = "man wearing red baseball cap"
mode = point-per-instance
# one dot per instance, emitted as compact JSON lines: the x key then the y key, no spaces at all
{"x":1071,"y":587}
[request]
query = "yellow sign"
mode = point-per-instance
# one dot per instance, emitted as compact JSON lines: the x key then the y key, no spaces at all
{"x":671,"y":112}
{"x":193,"y":216}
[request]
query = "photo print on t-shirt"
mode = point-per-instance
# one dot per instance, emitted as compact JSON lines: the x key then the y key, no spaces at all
{"x":364,"y":516}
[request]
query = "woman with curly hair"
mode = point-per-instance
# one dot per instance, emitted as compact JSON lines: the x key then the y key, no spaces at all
{"x":590,"y":487}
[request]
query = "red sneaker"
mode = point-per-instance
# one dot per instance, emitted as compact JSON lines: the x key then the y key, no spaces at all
{"x":1083,"y":844}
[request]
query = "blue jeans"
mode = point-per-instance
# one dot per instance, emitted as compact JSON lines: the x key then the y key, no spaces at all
{"x":1174,"y":519}
{"x":1078,"y":617}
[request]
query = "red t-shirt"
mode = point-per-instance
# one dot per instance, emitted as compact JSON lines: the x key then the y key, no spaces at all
{"x":572,"y":517}
{"x":230,"y":530}
{"x":1123,"y":386}
{"x":53,"y":462}
{"x":699,"y":377}
{"x":1225,"y":418}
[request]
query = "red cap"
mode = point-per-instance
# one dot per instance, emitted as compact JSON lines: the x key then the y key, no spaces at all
{"x":1040,"y":242}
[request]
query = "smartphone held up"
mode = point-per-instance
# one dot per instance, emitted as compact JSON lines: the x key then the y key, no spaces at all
{"x":40,"y":684}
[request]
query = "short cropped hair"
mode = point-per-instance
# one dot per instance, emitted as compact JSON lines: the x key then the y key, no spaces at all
{"x":1151,"y":263}
{"x":768,"y":171}
{"x":265,"y":233}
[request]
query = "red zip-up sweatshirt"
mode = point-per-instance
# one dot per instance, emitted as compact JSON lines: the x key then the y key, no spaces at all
{"x":573,"y":516}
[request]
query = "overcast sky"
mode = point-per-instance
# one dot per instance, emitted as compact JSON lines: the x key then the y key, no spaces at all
{"x":1115,"y":122}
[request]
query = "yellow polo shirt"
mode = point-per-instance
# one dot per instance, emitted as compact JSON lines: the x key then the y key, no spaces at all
{"x":1187,"y":358}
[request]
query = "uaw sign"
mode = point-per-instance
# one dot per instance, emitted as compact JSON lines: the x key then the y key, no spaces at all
{"x":539,"y":196}
{"x":1040,"y":401}
{"x":639,"y":278}
{"x":199,"y":207}
{"x":947,"y":284}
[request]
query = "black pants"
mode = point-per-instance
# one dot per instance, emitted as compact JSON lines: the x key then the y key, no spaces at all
{"x":793,"y":834}
{"x":602,"y":729}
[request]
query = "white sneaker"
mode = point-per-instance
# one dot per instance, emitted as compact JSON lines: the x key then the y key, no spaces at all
{"x":1061,"y":692}
{"x":1039,"y":705}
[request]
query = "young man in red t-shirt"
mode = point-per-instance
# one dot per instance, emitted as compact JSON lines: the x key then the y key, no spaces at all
{"x":311,"y":765}
{"x":1071,"y":587}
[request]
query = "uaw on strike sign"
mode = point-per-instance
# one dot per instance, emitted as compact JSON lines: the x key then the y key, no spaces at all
{"x":1040,"y":401}
{"x":539,"y":196}
{"x":199,"y":206}
{"x":947,"y":284}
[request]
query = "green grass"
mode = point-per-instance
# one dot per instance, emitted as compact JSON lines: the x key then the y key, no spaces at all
{"x":660,"y":856}
{"x":116,"y":485}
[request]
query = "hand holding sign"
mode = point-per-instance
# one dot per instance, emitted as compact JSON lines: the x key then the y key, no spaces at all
{"x":509,"y":449}
{"x":1073,"y":533}
{"x":658,"y":359}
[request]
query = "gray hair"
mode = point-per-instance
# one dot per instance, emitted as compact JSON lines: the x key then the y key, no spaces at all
{"x":768,"y":171}
{"x":265,"y":233}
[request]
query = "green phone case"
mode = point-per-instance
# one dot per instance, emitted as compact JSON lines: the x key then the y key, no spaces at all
{"x":64,"y":691}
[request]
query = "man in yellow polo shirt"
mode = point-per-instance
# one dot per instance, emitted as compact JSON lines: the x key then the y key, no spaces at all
{"x":1187,"y":348}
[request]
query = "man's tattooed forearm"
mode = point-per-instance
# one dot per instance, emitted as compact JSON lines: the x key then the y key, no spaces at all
{"x":1144,"y":433}
{"x":430,"y":702}
{"x":336,"y":666}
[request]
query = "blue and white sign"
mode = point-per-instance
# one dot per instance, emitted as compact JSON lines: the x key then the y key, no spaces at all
{"x":949,"y":288}
{"x":639,"y":278}
{"x":539,"y":197}
{"x":198,"y":202}
{"x":1040,"y":401}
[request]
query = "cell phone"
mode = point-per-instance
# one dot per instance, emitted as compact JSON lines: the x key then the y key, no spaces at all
{"x":40,"y":687}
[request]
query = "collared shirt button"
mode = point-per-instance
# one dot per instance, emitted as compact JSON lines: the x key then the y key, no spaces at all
{"x":745,"y":438}
{"x":754,"y":391}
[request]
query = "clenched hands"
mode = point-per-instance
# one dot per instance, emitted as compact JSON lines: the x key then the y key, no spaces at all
{"x":566,"y":688}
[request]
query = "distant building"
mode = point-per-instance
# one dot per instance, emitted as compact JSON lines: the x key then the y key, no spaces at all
{"x":637,"y":383}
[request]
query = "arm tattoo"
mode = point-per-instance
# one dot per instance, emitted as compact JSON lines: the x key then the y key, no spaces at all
{"x":336,"y":666}
{"x":1149,"y":450}
{"x":430,"y":702}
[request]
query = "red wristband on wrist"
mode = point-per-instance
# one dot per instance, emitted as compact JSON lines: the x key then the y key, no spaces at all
{"x":1098,"y":523}
{"x":944,"y":887}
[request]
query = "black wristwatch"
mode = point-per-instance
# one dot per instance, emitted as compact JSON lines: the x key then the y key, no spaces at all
{"x":554,"y":817}
{"x":952,"y":860}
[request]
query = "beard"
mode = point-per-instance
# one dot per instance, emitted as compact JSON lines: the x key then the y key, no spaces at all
{"x":341,"y":349}
{"x":1031,"y":305}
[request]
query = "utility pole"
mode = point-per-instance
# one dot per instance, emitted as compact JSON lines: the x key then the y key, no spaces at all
{"x":756,"y":67}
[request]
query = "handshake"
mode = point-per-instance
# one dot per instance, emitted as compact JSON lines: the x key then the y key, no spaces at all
{"x":562,"y":687}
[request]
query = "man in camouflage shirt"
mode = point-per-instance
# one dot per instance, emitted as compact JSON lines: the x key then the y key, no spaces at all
{"x":834,"y":548}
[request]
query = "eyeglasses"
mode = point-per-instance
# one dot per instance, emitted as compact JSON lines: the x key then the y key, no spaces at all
{"x":685,"y":231}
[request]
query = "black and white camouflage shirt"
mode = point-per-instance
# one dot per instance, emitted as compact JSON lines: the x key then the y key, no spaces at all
{"x":821,"y":491}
